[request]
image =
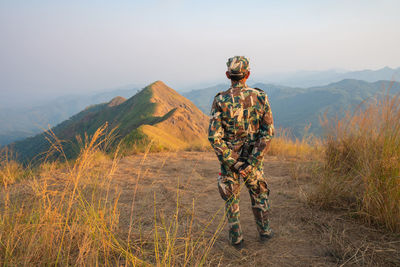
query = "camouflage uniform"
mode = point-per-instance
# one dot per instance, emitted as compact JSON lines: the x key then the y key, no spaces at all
{"x":240,"y":131}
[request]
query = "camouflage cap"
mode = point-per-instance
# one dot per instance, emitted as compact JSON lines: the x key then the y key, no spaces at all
{"x":238,"y":65}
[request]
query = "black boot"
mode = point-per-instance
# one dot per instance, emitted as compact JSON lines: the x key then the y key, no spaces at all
{"x":265,"y":238}
{"x":239,"y":245}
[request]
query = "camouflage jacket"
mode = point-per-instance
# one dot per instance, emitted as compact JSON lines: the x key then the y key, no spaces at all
{"x":240,"y":115}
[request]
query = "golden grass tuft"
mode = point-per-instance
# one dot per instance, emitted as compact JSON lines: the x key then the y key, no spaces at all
{"x":362,"y":163}
{"x":10,"y":170}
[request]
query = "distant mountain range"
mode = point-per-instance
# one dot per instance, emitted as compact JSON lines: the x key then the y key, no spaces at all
{"x":19,"y":122}
{"x":318,"y":78}
{"x":156,"y":114}
{"x":295,"y":108}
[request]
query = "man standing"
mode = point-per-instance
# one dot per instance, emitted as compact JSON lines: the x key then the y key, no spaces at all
{"x":240,"y":131}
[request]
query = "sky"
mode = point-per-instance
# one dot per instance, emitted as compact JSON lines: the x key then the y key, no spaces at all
{"x":53,"y":48}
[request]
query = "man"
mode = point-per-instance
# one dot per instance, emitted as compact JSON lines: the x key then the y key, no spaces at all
{"x":240,"y":131}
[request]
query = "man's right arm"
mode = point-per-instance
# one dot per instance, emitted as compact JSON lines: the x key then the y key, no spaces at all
{"x":215,"y":136}
{"x":265,"y":134}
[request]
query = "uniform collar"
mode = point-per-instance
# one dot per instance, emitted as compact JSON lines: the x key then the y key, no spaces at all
{"x":239,"y":84}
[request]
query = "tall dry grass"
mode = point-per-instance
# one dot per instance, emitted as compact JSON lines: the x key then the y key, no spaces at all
{"x":67,"y":213}
{"x":362,"y":162}
{"x":309,"y":147}
{"x":63,"y":213}
{"x":10,"y":170}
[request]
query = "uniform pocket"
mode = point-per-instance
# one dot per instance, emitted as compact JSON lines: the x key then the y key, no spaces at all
{"x":227,"y":187}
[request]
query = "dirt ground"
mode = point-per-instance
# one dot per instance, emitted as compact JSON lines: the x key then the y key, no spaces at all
{"x":305,"y":235}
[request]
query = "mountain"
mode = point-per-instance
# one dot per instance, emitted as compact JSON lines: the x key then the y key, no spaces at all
{"x":19,"y":122}
{"x":295,"y":108}
{"x":385,"y":73}
{"x":157,"y":113}
{"x":317,"y":78}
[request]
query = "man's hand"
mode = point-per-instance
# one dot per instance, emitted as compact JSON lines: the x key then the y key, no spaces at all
{"x":243,"y":168}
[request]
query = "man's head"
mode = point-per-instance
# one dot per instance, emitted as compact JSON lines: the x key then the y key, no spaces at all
{"x":238,"y":68}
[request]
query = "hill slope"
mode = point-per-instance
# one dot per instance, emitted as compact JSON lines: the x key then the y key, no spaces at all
{"x":157,"y":113}
{"x":295,"y":108}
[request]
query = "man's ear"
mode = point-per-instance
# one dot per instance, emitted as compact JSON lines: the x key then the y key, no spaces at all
{"x":227,"y":75}
{"x":247,"y":75}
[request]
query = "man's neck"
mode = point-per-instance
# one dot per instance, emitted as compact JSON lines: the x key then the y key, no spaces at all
{"x":241,"y":83}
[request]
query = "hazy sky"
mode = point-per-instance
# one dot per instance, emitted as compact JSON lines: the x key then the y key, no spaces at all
{"x":60,"y":47}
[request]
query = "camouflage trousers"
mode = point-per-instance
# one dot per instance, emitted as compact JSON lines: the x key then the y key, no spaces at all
{"x":229,"y":188}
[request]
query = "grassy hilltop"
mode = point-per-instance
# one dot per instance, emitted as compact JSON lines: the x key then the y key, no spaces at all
{"x":156,"y":114}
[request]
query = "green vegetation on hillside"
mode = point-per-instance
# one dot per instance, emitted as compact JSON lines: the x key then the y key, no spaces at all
{"x":127,"y":116}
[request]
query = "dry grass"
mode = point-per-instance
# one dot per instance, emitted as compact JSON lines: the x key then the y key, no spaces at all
{"x":347,"y":243}
{"x":285,"y":146}
{"x":62,"y":216}
{"x":10,"y":170}
{"x":362,"y":163}
{"x":68,"y":214}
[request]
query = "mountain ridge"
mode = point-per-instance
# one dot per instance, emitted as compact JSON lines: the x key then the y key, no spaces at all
{"x":156,"y":114}
{"x":318,"y":78}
